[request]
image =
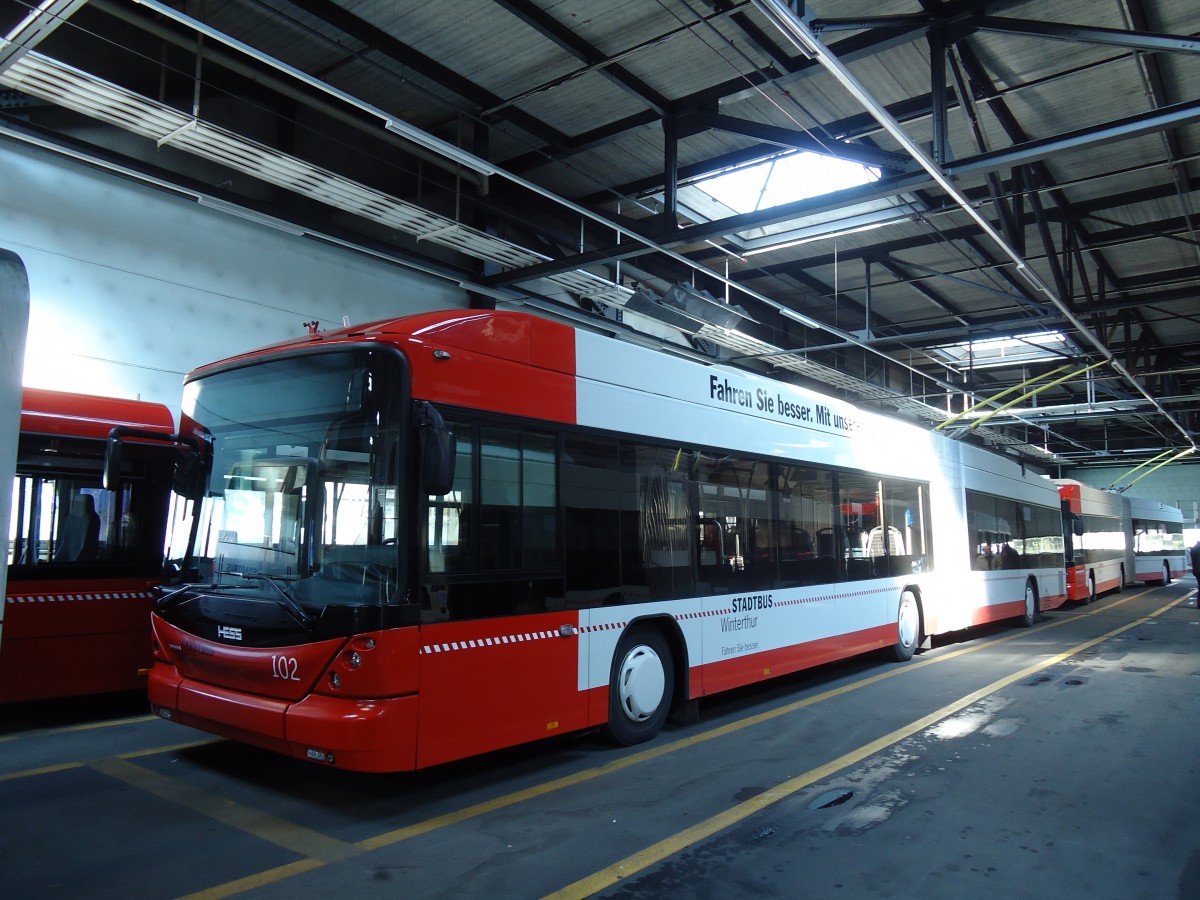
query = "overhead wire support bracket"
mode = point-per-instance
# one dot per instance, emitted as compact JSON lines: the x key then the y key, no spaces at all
{"x":992,"y":399}
{"x":1153,"y":459}
{"x":1036,"y":391}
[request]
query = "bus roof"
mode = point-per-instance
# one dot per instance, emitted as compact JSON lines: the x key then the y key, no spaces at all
{"x":80,"y":415}
{"x":517,"y":336}
{"x":1144,"y":508}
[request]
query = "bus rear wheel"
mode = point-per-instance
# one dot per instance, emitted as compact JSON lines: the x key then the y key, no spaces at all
{"x":908,"y":628}
{"x":640,"y":687}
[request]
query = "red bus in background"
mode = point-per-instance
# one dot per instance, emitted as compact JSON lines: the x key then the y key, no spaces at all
{"x":82,"y":560}
{"x":421,"y":539}
{"x":1097,"y":539}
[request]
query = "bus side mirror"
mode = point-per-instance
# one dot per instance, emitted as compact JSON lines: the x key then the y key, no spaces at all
{"x":188,"y":479}
{"x":111,"y":476}
{"x":436,"y":443}
{"x":1077,"y":527}
{"x":189,"y":467}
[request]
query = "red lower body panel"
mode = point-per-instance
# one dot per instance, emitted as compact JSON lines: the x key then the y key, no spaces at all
{"x":362,"y":735}
{"x":61,"y":639}
{"x":727,"y":674}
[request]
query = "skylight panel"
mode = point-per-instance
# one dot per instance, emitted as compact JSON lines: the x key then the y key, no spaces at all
{"x":1007,"y":351}
{"x":784,"y":179}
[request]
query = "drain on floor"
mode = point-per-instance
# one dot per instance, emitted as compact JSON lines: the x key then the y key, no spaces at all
{"x":831,"y":798}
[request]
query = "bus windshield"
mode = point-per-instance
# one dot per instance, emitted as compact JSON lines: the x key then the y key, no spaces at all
{"x":299,"y":506}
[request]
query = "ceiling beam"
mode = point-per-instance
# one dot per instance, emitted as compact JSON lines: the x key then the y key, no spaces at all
{"x":1115,"y":37}
{"x":385,"y":43}
{"x":697,"y":121}
{"x":568,"y":40}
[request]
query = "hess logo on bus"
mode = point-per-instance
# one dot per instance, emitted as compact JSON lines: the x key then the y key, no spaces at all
{"x":229,"y":632}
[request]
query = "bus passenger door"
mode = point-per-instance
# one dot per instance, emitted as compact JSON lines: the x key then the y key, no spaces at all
{"x":500,"y":649}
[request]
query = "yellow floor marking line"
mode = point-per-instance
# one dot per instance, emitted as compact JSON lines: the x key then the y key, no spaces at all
{"x":132,"y":754}
{"x":304,"y":841}
{"x":43,"y":770}
{"x":257,"y":880}
{"x":656,"y":853}
{"x":170,"y":748}
{"x":86,"y":726}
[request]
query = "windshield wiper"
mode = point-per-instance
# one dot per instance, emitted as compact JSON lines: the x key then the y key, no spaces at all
{"x":290,"y":606}
{"x":179,"y":595}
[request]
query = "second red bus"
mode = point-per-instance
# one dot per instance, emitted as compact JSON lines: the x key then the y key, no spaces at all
{"x":82,"y":560}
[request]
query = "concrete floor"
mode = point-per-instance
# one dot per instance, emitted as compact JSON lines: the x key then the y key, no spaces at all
{"x":1062,"y":760}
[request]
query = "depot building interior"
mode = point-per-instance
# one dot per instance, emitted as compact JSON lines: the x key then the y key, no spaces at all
{"x":981,"y":216}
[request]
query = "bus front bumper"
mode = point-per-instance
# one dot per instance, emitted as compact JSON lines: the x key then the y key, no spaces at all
{"x":372,"y":735}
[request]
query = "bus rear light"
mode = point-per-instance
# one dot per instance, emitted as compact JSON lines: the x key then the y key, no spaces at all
{"x":354,"y":659}
{"x":335,"y":681}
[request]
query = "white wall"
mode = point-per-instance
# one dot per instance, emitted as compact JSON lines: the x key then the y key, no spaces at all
{"x":14,"y":313}
{"x":131,"y":287}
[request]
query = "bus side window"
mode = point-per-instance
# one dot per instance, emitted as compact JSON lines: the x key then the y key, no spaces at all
{"x":593,"y":488}
{"x":804,"y":533}
{"x":23,"y":542}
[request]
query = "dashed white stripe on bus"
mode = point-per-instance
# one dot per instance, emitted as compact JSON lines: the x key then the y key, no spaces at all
{"x":501,"y":639}
{"x":71,"y":598}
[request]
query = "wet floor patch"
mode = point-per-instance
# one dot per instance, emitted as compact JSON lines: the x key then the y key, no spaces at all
{"x":1002,"y":727}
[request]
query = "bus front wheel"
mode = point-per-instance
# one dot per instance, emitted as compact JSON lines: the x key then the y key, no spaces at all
{"x":908,"y":628}
{"x":640,"y":687}
{"x":1030,"y":616}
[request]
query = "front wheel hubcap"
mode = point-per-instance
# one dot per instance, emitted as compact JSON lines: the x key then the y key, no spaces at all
{"x":643,"y":683}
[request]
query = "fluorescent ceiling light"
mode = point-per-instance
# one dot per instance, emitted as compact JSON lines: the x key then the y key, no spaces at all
{"x":250,"y":215}
{"x":442,"y":148}
{"x":409,"y":132}
{"x":799,"y":317}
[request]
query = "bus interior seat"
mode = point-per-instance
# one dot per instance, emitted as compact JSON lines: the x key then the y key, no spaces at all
{"x":895,"y":544}
{"x":826,"y":546}
{"x":79,"y":534}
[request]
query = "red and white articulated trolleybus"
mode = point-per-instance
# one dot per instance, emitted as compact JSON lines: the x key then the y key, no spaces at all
{"x":421,"y":539}
{"x":1096,"y":536}
{"x":1156,"y":540}
{"x":82,"y":560}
